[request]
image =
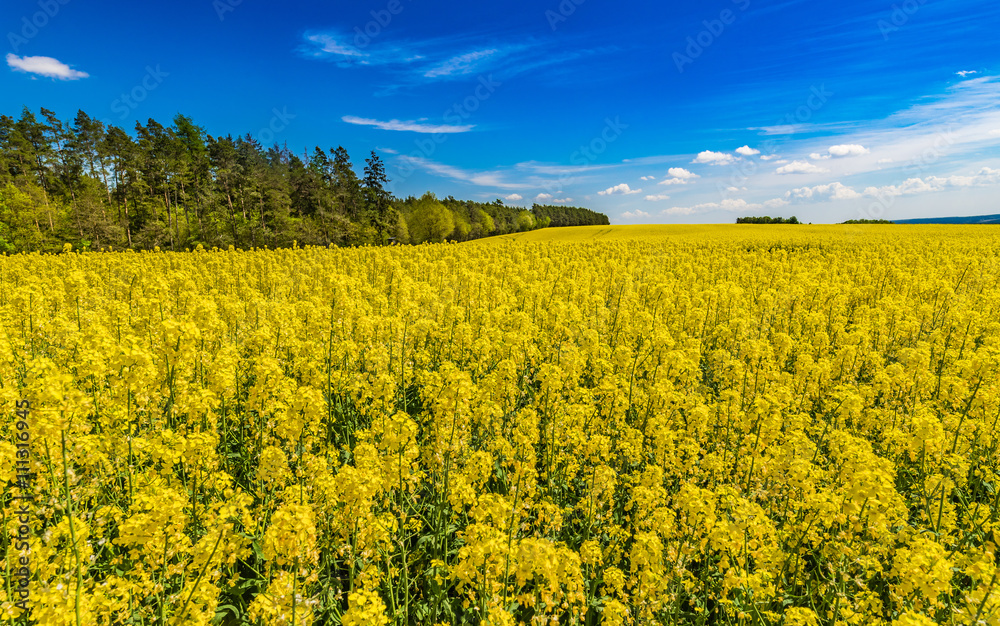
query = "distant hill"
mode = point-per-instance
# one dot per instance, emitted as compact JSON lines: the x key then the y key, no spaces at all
{"x":976,"y":219}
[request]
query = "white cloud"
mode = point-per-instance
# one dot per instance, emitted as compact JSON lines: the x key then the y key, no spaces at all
{"x":547,"y":197}
{"x":714,"y":158}
{"x":800,"y":167}
{"x":747,"y":151}
{"x":328,"y":45}
{"x":913,"y":186}
{"x":680,"y":172}
{"x":885,"y":161}
{"x":462,"y":64}
{"x":514,"y":197}
{"x":729,"y":204}
{"x":44,"y":66}
{"x":769,"y":157}
{"x":647,"y":178}
{"x":634,"y":214}
{"x":679,"y":176}
{"x":481,"y":179}
{"x":816,"y":156}
{"x":965,"y":73}
{"x":622,"y":189}
{"x":408,"y":126}
{"x":658,"y":197}
{"x":831,"y":191}
{"x":995,"y":132}
{"x":848,"y":150}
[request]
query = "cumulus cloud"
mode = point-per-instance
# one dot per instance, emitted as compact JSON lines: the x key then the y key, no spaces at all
{"x":679,"y":176}
{"x":800,"y":167}
{"x":848,"y":150}
{"x":913,"y":186}
{"x":714,"y":158}
{"x":658,"y":197}
{"x":629,"y":215}
{"x":729,"y":204}
{"x":514,"y":197}
{"x":408,"y":126}
{"x":622,"y":189}
{"x":747,"y":151}
{"x":680,"y":172}
{"x":647,"y":178}
{"x":769,"y":157}
{"x":547,"y":197}
{"x":831,"y":191}
{"x":44,"y":66}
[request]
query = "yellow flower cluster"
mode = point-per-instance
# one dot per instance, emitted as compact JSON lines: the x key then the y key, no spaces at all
{"x":685,"y":425}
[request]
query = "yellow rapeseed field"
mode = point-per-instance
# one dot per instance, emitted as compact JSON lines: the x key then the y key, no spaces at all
{"x":677,"y":425}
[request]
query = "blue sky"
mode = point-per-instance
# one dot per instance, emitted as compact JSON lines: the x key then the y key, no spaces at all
{"x":652,"y":112}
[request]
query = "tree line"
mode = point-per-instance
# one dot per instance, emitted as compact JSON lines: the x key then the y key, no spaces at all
{"x":768,"y":220}
{"x":176,"y":187}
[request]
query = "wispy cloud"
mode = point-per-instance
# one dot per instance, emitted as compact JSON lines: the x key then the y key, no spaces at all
{"x":417,"y":61}
{"x":461,"y":64}
{"x":482,"y":179}
{"x":408,"y":126}
{"x":44,"y":66}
